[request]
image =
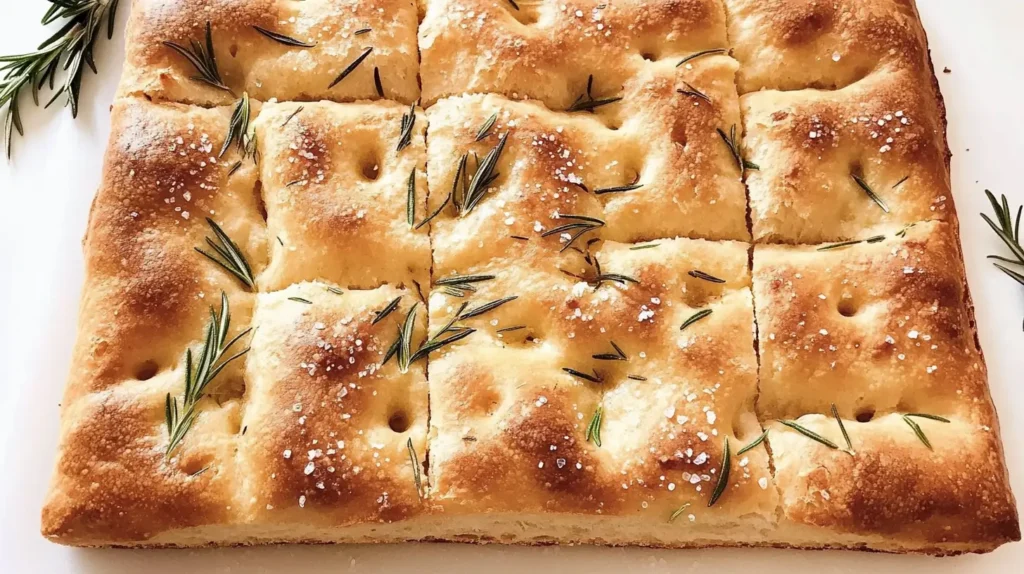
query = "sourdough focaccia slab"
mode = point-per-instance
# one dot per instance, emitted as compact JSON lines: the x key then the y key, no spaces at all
{"x":674,"y":273}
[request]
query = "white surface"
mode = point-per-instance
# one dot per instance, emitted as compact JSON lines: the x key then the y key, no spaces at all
{"x":44,"y":200}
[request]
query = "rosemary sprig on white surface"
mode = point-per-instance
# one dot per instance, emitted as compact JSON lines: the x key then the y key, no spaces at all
{"x":67,"y":49}
{"x":199,"y":374}
{"x":203,"y":59}
{"x":231,"y":257}
{"x":1008,"y":230}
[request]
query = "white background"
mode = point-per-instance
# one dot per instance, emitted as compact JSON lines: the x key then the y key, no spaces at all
{"x":44,"y":199}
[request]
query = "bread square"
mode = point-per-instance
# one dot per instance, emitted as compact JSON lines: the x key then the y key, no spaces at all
{"x":273,"y":49}
{"x":672,"y":273}
{"x":335,"y":185}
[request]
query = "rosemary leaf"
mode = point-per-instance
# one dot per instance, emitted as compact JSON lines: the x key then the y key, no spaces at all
{"x":636,"y":378}
{"x":387,"y":310}
{"x":694,"y":318}
{"x":351,"y":67}
{"x":300,"y":300}
{"x":485,"y":129}
{"x":416,"y":476}
{"x":361,"y":31}
{"x":723,"y":476}
{"x":644,"y":246}
{"x":410,"y":202}
{"x":238,"y":126}
{"x":842,"y":428}
{"x":405,"y":339}
{"x":408,"y":121}
{"x":698,"y":274}
{"x":620,"y":189}
{"x":694,"y":92}
{"x":292,"y":115}
{"x":917,"y":428}
{"x":377,"y":84}
{"x":589,"y":103}
{"x":595,"y":378}
{"x":734,"y":148}
{"x":901,"y":182}
{"x":487,"y":307}
{"x":282,"y":39}
{"x":754,"y":444}
{"x":810,"y":434}
{"x":618,"y":355}
{"x":692,"y":57}
{"x":678,"y":512}
{"x":594,"y":428}
{"x":871,"y":194}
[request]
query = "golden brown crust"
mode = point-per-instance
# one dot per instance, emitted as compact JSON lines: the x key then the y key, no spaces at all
{"x":659,"y":311}
{"x":546,"y":50}
{"x":249,"y":61}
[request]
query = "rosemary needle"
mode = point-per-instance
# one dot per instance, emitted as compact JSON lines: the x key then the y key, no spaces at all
{"x":692,"y":57}
{"x":810,"y":434}
{"x":416,"y":475}
{"x":754,"y":444}
{"x":698,"y":274}
{"x":408,"y":121}
{"x":485,"y":129}
{"x":594,"y":428}
{"x":842,"y":428}
{"x":282,"y":39}
{"x":917,"y":428}
{"x":387,"y":310}
{"x":238,"y":126}
{"x":351,"y":67}
{"x":871,"y":194}
{"x":678,"y":512}
{"x":723,"y":476}
{"x":590,"y":104}
{"x":410,"y":202}
{"x":377,"y":83}
{"x":734,"y":148}
{"x":694,"y":318}
{"x":300,"y":300}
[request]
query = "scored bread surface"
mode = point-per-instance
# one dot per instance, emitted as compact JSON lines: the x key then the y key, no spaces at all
{"x":706,"y":225}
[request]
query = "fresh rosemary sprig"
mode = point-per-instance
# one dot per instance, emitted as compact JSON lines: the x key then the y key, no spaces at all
{"x":871,"y":193}
{"x":594,"y":428}
{"x":698,"y":274}
{"x":723,"y":476}
{"x":692,"y":57}
{"x":689,"y":90}
{"x":917,"y":428}
{"x":581,"y":224}
{"x":694,"y":318}
{"x":754,"y":444}
{"x":484,"y":176}
{"x":842,"y":428}
{"x":416,"y":474}
{"x":486,"y":128}
{"x":590,"y":104}
{"x":238,"y":127}
{"x":351,"y":67}
{"x":618,"y":355}
{"x":282,"y":39}
{"x":231,"y":257}
{"x":595,"y":378}
{"x":408,"y":121}
{"x":410,"y":200}
{"x":199,"y":375}
{"x":810,"y":434}
{"x":203,"y":59}
{"x":1008,"y":231}
{"x":67,"y":49}
{"x":737,"y":153}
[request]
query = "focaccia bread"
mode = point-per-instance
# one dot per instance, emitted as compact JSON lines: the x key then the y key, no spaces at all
{"x":672,"y":273}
